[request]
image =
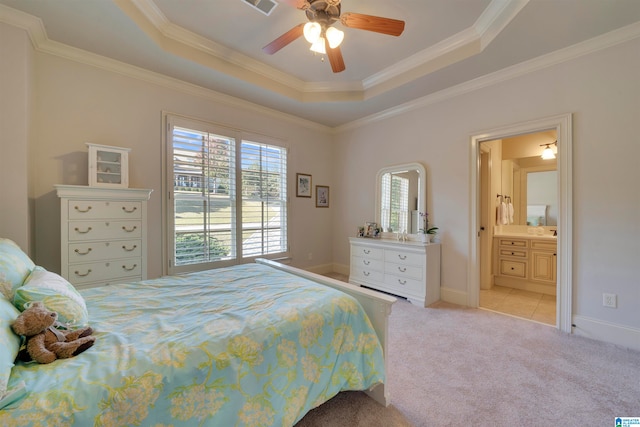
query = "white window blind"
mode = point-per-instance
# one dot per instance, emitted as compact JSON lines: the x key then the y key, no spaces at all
{"x":264,"y":199}
{"x":395,"y":209}
{"x":227,"y":201}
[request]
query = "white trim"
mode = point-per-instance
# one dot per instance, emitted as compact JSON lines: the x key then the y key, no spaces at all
{"x":41,"y":43}
{"x":587,"y":47}
{"x":453,"y":296}
{"x":562,"y":125}
{"x":625,"y":336}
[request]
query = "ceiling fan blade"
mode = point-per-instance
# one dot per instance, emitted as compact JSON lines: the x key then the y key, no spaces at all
{"x":392,"y":27}
{"x":299,"y":4}
{"x":335,"y":57}
{"x":283,"y":40}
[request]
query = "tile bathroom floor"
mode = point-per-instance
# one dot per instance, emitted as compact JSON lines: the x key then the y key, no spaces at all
{"x":528,"y":305}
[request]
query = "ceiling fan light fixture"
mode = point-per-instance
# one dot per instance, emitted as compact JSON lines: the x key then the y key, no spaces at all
{"x":334,"y":36}
{"x":318,"y":46}
{"x":312,"y":31}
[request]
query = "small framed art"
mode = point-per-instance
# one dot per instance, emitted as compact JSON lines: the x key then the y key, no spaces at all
{"x":303,"y":185}
{"x":322,"y":196}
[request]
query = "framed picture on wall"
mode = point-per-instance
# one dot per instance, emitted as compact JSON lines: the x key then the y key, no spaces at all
{"x":303,"y":185}
{"x":322,"y":196}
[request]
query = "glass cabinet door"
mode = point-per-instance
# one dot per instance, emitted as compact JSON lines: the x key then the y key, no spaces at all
{"x":108,"y":166}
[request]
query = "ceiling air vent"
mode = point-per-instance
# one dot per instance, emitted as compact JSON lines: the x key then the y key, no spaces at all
{"x":264,"y":6}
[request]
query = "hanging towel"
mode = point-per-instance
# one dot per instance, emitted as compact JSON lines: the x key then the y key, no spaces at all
{"x":510,"y":209}
{"x":502,"y":215}
{"x":505,"y":214}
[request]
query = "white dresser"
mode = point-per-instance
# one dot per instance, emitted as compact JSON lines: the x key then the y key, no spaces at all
{"x":407,"y":269}
{"x":103,"y":234}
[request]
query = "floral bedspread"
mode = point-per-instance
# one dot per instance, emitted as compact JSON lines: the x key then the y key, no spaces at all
{"x":245,"y":345}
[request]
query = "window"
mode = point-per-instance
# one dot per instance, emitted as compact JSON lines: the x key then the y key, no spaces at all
{"x":226,"y":198}
{"x":395,"y":209}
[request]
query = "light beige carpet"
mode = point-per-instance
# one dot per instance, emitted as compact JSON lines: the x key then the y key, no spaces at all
{"x":451,"y":366}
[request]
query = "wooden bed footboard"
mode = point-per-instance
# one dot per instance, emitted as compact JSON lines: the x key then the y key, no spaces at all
{"x":376,"y":304}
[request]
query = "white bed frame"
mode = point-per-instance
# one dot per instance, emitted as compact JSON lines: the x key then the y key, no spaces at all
{"x":376,"y":304}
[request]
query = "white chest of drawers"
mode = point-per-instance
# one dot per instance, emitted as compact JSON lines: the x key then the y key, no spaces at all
{"x":103,"y":234}
{"x":407,"y":269}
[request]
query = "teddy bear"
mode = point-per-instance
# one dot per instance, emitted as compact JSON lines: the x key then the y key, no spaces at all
{"x":44,"y":342}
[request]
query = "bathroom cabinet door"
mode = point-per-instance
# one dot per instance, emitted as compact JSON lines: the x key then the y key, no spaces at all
{"x":543,"y":266}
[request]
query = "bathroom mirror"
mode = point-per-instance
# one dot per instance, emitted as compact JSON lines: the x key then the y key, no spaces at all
{"x":534,"y":190}
{"x":400,"y":196}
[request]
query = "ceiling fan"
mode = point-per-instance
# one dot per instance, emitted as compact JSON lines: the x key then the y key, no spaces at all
{"x":325,"y":38}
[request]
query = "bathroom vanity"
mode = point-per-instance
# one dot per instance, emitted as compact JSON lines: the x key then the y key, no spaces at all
{"x":526,"y":262}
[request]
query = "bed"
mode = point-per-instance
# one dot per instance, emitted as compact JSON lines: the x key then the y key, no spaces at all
{"x":255,"y":344}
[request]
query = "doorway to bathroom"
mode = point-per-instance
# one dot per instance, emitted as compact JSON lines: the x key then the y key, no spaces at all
{"x":520,"y":246}
{"x":519,"y":219}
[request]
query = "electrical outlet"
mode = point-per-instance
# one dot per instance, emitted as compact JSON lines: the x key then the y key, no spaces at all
{"x":609,"y":300}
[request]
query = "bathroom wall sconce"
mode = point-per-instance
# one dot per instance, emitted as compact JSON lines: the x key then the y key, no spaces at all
{"x":547,"y":153}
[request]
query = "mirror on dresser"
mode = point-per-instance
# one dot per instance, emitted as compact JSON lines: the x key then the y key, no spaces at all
{"x":400,"y":196}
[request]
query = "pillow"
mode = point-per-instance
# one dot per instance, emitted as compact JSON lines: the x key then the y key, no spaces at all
{"x":15,"y":266}
{"x":57,"y":294}
{"x":9,"y":343}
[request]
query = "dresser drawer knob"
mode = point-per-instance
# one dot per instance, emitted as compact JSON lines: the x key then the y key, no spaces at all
{"x":124,"y":267}
{"x":366,"y":262}
{"x":83,"y":232}
{"x":402,"y":269}
{"x":83,"y":253}
{"x":402,"y":282}
{"x":129,"y":249}
{"x":366,"y":251}
{"x":132,"y":210}
{"x":366,"y":273}
{"x":77,"y":273}
{"x":129,"y":230}
{"x":402,"y":257}
{"x":82,"y":210}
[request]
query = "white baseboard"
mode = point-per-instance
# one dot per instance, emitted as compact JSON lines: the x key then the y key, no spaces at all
{"x":621,"y":335}
{"x":321,"y":269}
{"x":341,"y":268}
{"x":453,"y":296}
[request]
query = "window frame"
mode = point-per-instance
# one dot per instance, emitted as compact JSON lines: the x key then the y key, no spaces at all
{"x":171,"y":120}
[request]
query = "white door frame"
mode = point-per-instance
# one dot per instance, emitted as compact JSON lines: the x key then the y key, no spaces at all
{"x":562,"y":125}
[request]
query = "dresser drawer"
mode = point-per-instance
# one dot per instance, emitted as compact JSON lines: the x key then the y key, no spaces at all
{"x":99,"y":209}
{"x":513,"y":268}
{"x":98,"y":230}
{"x":365,"y":274}
{"x":366,"y":252}
{"x":404,"y":271}
{"x":93,"y":251}
{"x":103,"y":271}
{"x":367,"y":263}
{"x":513,"y":253}
{"x":402,"y":257}
{"x":404,"y":284}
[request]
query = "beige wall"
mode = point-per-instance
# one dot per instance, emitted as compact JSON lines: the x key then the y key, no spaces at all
{"x":75,"y":103}
{"x":601,"y":90}
{"x":78,"y":103}
{"x":15,"y":119}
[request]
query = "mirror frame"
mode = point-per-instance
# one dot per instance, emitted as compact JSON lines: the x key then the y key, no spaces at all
{"x":422,"y":186}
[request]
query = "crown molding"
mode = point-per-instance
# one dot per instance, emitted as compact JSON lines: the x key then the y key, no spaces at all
{"x":37,"y":34}
{"x":34,"y":28}
{"x":586,"y":47}
{"x":466,"y":43}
